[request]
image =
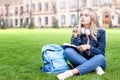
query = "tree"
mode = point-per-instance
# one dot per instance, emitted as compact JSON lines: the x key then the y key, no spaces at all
{"x":4,"y":24}
{"x":110,"y":25}
{"x":25,"y":24}
{"x":55,"y":24}
{"x":31,"y":26}
{"x":75,"y":23}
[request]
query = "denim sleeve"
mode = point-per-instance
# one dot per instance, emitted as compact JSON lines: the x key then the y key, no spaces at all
{"x":100,"y":49}
{"x":75,"y":41}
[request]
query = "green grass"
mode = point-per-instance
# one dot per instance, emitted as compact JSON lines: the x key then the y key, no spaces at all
{"x":20,"y":57}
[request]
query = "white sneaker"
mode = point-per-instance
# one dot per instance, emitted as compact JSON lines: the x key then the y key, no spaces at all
{"x":65,"y":75}
{"x":99,"y":70}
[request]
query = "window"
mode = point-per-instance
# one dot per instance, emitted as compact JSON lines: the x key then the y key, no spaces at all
{"x":63,"y":3}
{"x":33,"y":7}
{"x":98,"y":17}
{"x":16,"y":10}
{"x":39,"y":21}
{"x":27,"y":20}
{"x":53,"y":20}
{"x":1,"y":12}
{"x":11,"y":24}
{"x":95,"y":2}
{"x":108,"y":1}
{"x":16,"y":22}
{"x":73,"y":3}
{"x":106,"y":16}
{"x":27,"y":8}
{"x":33,"y":19}
{"x":46,"y":20}
{"x":0,"y":22}
{"x":63,"y":19}
{"x":21,"y":10}
{"x":112,"y":16}
{"x":119,"y":20}
{"x":21,"y":22}
{"x":46,"y":6}
{"x":39,"y":6}
{"x":53,"y":6}
{"x":84,"y":3}
{"x":73,"y":19}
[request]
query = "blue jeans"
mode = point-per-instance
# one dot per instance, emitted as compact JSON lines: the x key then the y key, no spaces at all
{"x":82,"y":64}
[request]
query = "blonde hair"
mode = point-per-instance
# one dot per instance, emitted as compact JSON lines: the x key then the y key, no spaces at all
{"x":94,"y":25}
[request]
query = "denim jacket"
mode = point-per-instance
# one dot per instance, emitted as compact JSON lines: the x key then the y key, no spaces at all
{"x":96,"y":46}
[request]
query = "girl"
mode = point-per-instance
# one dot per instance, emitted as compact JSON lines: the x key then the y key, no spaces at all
{"x":91,"y":42}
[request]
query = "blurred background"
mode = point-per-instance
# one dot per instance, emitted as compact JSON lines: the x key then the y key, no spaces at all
{"x":56,"y":13}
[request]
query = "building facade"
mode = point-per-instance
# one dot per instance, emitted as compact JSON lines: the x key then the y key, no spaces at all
{"x":43,"y":13}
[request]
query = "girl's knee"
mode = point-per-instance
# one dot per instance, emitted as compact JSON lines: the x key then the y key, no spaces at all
{"x":68,"y":50}
{"x":101,"y":59}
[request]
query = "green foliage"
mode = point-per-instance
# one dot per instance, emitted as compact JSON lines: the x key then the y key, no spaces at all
{"x":111,"y":25}
{"x":55,"y":24}
{"x":4,"y":24}
{"x":70,"y":26}
{"x":75,"y":24}
{"x":25,"y":24}
{"x":31,"y":26}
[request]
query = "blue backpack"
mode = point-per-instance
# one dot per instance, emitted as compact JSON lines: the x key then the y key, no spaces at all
{"x":53,"y":59}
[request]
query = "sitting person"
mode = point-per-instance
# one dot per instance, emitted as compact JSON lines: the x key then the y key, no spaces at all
{"x":90,"y":40}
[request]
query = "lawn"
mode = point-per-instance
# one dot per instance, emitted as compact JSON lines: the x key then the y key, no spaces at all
{"x":20,"y":54}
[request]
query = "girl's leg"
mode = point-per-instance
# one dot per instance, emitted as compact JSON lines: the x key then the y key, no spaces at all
{"x":74,"y":57}
{"x":87,"y":66}
{"x":92,"y":64}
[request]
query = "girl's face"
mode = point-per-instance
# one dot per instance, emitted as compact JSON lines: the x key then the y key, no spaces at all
{"x":85,"y":18}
